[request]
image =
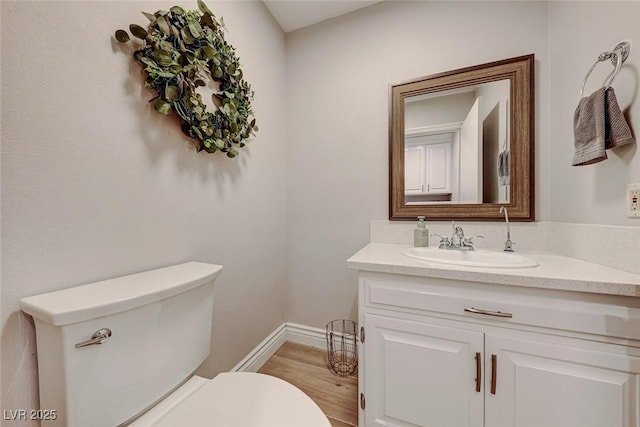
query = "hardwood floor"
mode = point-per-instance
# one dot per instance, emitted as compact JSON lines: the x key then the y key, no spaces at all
{"x":306,"y":368}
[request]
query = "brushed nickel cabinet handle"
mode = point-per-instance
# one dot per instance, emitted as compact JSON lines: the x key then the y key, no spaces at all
{"x":478,"y":371}
{"x":494,"y":373}
{"x":488,"y":313}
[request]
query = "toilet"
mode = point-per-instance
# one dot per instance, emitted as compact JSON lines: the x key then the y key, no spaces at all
{"x":122,"y":352}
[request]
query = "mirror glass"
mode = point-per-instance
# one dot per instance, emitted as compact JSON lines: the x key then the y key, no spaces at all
{"x":456,"y":145}
{"x":458,"y":140}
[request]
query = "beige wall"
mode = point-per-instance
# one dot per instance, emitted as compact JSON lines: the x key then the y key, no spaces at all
{"x":338,"y":79}
{"x":593,"y":194}
{"x":97,"y":185}
{"x":436,"y":111}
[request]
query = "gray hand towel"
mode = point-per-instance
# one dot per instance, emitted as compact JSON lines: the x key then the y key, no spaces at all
{"x":617,"y":132}
{"x":589,"y":129}
{"x":503,"y":168}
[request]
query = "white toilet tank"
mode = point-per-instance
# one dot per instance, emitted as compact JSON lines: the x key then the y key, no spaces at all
{"x":160,"y":323}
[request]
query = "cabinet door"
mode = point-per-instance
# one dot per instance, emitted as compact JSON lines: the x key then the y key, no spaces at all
{"x":414,"y":174}
{"x":420,"y":374}
{"x":438,"y":168}
{"x":568,"y":383}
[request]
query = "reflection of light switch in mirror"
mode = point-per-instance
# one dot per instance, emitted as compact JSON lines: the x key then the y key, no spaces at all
{"x":633,"y":200}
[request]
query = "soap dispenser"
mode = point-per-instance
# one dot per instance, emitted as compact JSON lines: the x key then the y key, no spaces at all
{"x":421,"y":234}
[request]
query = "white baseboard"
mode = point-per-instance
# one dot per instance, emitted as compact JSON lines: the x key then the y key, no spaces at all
{"x":263,"y":351}
{"x":293,"y":332}
{"x":307,"y":335}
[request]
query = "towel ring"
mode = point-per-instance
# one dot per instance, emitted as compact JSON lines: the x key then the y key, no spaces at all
{"x":618,"y":55}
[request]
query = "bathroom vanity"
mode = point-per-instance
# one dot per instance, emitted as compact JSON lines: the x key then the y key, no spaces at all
{"x":454,"y":346}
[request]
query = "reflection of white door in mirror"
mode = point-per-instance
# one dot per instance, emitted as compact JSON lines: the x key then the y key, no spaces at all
{"x":495,"y":146}
{"x":471,"y":156}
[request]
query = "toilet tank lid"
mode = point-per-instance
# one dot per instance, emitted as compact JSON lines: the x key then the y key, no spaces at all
{"x":111,"y":296}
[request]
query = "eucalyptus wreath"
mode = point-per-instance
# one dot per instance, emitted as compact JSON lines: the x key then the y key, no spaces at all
{"x":181,"y":51}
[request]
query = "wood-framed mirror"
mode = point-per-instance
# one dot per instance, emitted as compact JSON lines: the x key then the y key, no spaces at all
{"x":461,"y":143}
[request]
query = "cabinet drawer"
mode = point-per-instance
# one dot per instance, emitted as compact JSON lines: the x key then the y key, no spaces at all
{"x":616,"y":317}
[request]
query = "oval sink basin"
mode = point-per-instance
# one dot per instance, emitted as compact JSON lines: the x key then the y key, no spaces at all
{"x":477,"y":258}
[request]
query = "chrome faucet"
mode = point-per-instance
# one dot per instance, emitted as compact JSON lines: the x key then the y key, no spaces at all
{"x":457,"y":240}
{"x":508,"y":244}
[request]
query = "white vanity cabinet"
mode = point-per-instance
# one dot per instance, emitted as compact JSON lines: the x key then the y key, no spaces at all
{"x":567,"y":382}
{"x":524,"y":358}
{"x":417,"y":373}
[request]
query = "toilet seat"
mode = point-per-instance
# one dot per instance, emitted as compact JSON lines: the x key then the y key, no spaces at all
{"x":236,"y":399}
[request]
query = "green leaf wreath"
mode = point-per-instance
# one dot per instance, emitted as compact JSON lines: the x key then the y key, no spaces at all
{"x":181,"y":50}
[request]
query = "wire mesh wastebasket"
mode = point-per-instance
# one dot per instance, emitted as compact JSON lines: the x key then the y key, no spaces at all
{"x":342,"y":347}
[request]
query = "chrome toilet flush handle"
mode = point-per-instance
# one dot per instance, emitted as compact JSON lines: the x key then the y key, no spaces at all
{"x":97,"y":338}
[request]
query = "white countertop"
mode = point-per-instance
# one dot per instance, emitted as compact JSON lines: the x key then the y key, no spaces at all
{"x":554,"y":272}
